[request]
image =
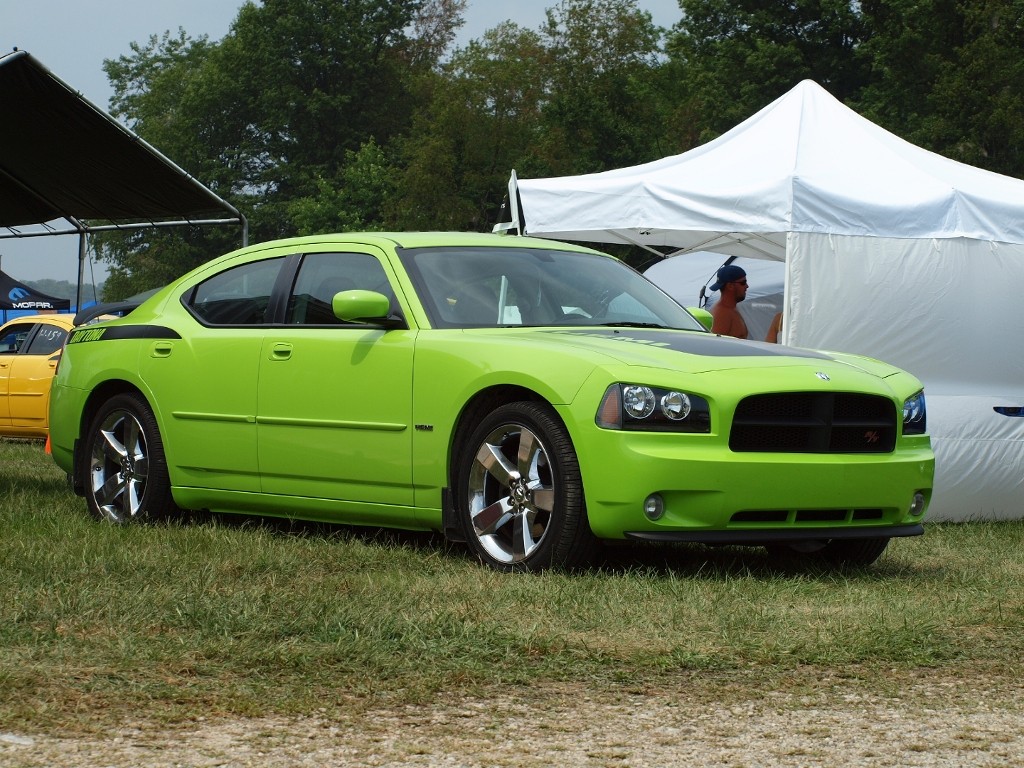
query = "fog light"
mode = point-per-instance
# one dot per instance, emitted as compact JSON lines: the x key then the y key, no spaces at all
{"x":917,"y":504}
{"x":654,"y":507}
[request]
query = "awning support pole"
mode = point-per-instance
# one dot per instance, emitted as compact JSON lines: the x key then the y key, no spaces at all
{"x":81,"y":269}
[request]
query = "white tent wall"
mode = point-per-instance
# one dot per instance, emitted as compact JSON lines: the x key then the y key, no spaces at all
{"x":979,"y":473}
{"x":945,"y":310}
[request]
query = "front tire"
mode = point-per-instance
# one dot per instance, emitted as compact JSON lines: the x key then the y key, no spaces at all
{"x":519,"y":493}
{"x":832,"y":553}
{"x":853,"y":552}
{"x":124,"y":469}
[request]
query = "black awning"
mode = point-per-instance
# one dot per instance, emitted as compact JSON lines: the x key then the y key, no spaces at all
{"x":63,"y":158}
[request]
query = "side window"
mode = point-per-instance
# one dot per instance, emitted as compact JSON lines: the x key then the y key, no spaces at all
{"x":237,"y":296}
{"x":322,"y":275}
{"x":14,"y":337}
{"x":48,"y":339}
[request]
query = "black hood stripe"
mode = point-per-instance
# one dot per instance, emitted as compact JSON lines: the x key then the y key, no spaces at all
{"x":696,"y":343}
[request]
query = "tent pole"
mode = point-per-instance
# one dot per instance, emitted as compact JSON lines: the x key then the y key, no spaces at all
{"x":81,"y":269}
{"x":787,"y":292}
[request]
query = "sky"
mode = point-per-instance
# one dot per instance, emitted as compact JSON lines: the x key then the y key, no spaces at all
{"x":72,"y":38}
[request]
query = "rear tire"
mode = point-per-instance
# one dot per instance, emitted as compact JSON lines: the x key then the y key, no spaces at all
{"x":123,"y":468}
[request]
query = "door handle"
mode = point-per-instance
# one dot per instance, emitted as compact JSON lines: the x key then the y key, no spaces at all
{"x":281,"y":351}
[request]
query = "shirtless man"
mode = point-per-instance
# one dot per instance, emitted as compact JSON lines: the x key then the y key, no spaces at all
{"x":731,"y":283}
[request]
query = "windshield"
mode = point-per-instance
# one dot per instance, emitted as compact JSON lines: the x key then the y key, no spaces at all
{"x":479,"y":287}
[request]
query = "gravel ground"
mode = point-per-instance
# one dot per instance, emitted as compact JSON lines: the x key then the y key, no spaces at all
{"x":929,"y":722}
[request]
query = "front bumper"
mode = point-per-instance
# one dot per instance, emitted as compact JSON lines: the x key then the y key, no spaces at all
{"x":714,"y":495}
{"x":776,"y":536}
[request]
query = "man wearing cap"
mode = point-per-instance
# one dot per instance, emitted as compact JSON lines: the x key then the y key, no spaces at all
{"x":731,"y":283}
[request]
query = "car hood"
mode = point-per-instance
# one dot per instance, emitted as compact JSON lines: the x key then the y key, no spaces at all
{"x":691,"y":351}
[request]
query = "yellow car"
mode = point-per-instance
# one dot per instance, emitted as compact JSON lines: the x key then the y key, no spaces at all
{"x":29,"y":349}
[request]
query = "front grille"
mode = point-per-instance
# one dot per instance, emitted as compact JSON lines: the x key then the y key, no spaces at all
{"x":814,"y":422}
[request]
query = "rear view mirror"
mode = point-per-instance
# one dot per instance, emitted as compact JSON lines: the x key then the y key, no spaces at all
{"x":360,"y":306}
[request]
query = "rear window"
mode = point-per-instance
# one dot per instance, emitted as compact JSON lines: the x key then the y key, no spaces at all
{"x":236,"y":296}
{"x":48,"y":339}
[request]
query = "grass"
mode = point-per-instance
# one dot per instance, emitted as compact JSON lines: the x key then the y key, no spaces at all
{"x":229,"y":617}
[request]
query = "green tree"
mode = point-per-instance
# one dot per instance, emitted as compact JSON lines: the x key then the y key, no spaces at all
{"x":735,"y":57}
{"x":482,"y":117}
{"x":908,"y":45}
{"x":338,"y":114}
{"x":272,"y":115}
{"x":944,"y":74}
{"x":576,"y":95}
{"x":357,"y":201}
{"x":601,"y":108}
{"x":150,"y":86}
{"x":949,"y":76}
{"x":979,"y":95}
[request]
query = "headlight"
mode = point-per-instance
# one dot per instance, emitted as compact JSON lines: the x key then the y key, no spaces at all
{"x":914,"y":417}
{"x":638,"y":402}
{"x":639,"y":407}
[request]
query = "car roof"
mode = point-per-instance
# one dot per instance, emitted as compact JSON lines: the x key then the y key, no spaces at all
{"x":382,"y":240}
{"x":63,"y":319}
{"x":420,"y":240}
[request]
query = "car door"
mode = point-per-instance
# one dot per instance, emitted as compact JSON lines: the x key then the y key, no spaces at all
{"x":204,"y":383}
{"x":335,"y":405}
{"x":31,"y":374}
{"x":14,"y":338}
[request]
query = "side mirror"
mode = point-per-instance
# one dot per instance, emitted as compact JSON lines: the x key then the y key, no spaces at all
{"x":702,"y":316}
{"x":361,"y":306}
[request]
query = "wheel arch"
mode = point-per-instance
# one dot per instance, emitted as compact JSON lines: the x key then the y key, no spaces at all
{"x":551,"y":529}
{"x":97,"y":397}
{"x":481,"y":403}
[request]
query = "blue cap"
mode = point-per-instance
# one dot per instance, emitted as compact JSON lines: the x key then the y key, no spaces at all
{"x":730,"y":273}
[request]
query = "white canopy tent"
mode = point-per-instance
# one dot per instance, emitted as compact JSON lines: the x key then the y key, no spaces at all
{"x":891,"y":251}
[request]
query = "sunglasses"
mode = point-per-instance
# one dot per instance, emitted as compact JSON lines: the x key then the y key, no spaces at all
{"x":739,"y":282}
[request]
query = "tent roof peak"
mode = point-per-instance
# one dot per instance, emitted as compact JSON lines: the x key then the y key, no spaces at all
{"x":804,"y":163}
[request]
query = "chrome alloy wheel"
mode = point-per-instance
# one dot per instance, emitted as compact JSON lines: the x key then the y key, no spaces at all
{"x":119,"y":467}
{"x":511,"y":493}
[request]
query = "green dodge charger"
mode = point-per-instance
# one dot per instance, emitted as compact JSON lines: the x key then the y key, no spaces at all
{"x":527,"y":397}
